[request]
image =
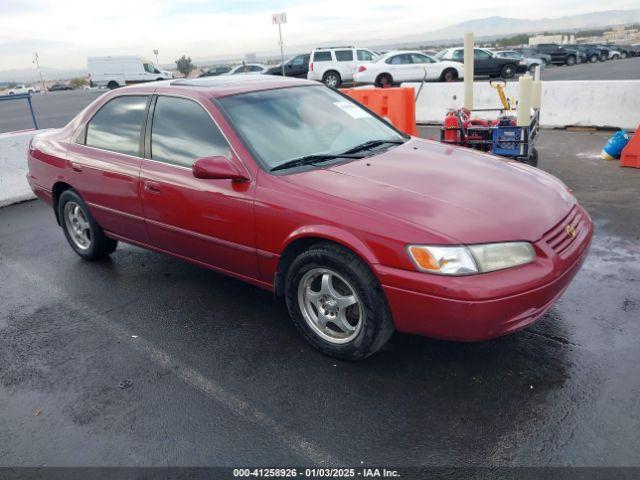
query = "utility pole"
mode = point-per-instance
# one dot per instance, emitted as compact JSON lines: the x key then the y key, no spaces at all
{"x":36,"y":61}
{"x":155,"y":52}
{"x":279,"y":19}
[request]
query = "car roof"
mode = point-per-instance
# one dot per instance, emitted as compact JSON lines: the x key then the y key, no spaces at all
{"x":222,"y":86}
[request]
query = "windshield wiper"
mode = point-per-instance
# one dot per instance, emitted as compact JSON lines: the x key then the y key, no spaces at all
{"x":312,"y":160}
{"x":372,"y":144}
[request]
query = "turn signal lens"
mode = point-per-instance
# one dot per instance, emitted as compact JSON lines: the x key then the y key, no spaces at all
{"x":443,"y":260}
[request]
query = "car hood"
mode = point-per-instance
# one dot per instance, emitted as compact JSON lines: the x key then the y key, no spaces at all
{"x":461,"y":195}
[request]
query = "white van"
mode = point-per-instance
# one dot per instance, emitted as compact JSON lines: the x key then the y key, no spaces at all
{"x":336,"y":65}
{"x":117,"y":71}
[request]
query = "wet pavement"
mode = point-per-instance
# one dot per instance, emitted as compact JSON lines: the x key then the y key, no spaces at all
{"x":147,"y":360}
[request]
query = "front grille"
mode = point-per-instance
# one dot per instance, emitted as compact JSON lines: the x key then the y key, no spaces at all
{"x":558,"y":238}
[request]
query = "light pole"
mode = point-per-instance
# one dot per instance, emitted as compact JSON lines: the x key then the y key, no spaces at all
{"x":36,"y":61}
{"x":279,"y":19}
{"x":155,"y":52}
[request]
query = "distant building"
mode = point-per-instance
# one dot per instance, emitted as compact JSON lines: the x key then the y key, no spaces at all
{"x":559,"y":39}
{"x":621,"y":35}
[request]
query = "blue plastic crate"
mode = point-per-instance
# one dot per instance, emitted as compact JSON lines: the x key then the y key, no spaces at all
{"x":508,"y":141}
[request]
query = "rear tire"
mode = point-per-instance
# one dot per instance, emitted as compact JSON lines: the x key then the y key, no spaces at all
{"x":623,"y":55}
{"x":83,"y":233}
{"x":593,"y":58}
{"x":383,"y":80}
{"x":449,"y":75}
{"x":571,"y":60}
{"x":320,"y":285}
{"x":332,"y":79}
{"x":112,"y":85}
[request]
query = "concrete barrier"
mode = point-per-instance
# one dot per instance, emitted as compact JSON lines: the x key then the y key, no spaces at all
{"x":583,"y":103}
{"x":13,"y":167}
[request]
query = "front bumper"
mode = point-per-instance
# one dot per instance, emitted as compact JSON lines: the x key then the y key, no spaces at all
{"x":481,"y":307}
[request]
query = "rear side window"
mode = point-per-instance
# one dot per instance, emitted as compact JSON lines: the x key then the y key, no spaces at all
{"x":344,"y":55}
{"x":322,"y":57}
{"x":458,"y":55}
{"x":183,"y":131}
{"x":117,"y":125}
{"x":403,"y":59}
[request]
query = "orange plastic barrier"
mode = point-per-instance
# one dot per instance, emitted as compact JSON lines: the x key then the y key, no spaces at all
{"x":395,"y":104}
{"x":630,"y":156}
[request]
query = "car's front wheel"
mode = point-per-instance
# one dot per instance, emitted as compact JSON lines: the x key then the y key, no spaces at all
{"x":80,"y":228}
{"x":449,"y":75}
{"x":508,"y":71}
{"x":337,"y":303}
{"x":384,"y":80}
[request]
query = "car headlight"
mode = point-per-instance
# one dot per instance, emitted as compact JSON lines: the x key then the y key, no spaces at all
{"x":465,"y":260}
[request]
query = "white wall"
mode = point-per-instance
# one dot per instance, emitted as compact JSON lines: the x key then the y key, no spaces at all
{"x":584,"y":103}
{"x":13,"y":168}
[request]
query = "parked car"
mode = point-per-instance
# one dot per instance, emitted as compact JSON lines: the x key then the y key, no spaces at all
{"x":20,"y":89}
{"x":298,"y":189}
{"x":560,"y":55}
{"x":297,"y":66}
{"x":625,"y":50}
{"x":336,"y":65}
{"x":530,"y":62}
{"x":56,"y":87}
{"x":603,"y":52}
{"x":531,"y":53}
{"x":407,"y":66}
{"x":118,"y":71}
{"x":614,"y":54}
{"x":485,"y":62}
{"x":592,"y":54}
{"x":248,"y":69}
{"x":214,"y":71}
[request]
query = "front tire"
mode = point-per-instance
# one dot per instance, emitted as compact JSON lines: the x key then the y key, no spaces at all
{"x":571,"y":60}
{"x":337,"y":303}
{"x":83,"y":233}
{"x":508,"y":71}
{"x":112,"y":85}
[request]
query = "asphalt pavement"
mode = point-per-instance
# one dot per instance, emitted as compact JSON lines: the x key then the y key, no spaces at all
{"x":624,"y":69}
{"x":146,"y":360}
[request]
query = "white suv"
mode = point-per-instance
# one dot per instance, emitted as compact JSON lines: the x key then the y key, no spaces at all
{"x":20,"y":89}
{"x":335,"y":65}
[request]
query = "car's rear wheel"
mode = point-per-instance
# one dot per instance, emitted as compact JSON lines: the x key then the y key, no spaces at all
{"x":332,"y":79}
{"x":593,"y":58}
{"x":112,"y":85}
{"x":623,"y":55}
{"x":449,"y":75}
{"x":616,"y":57}
{"x":337,"y":303}
{"x":384,"y":80}
{"x":80,"y":228}
{"x":532,"y":68}
{"x":508,"y":70}
{"x":571,"y":60}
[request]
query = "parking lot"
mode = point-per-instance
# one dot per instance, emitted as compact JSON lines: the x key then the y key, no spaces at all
{"x":146,"y":360}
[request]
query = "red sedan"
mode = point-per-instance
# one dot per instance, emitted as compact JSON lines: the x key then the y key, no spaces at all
{"x":293,"y":187}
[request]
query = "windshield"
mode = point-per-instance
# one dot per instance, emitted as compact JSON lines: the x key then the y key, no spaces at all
{"x":290,"y":123}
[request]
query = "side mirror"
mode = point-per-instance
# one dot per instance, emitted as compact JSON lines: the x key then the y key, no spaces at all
{"x":217,"y":168}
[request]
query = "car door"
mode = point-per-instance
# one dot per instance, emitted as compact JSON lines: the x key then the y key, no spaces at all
{"x":423,"y":65}
{"x":297,"y":67}
{"x":206,"y":220}
{"x":483,"y":63}
{"x":400,"y":67}
{"x":105,"y":165}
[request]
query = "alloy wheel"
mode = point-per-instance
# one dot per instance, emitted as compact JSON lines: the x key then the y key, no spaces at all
{"x":330,"y":305}
{"x":77,"y":225}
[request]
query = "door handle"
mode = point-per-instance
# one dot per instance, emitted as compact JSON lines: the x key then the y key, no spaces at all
{"x":76,"y":167}
{"x":152,"y":187}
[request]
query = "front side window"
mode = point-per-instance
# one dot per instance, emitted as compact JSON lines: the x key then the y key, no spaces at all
{"x":458,"y":55}
{"x":298,"y":61}
{"x":365,"y":56}
{"x":481,"y":54}
{"x":148,"y":67}
{"x":288,"y":123}
{"x":182,"y":131}
{"x":344,"y":55}
{"x":117,"y":125}
{"x":418,"y":58}
{"x":322,"y":57}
